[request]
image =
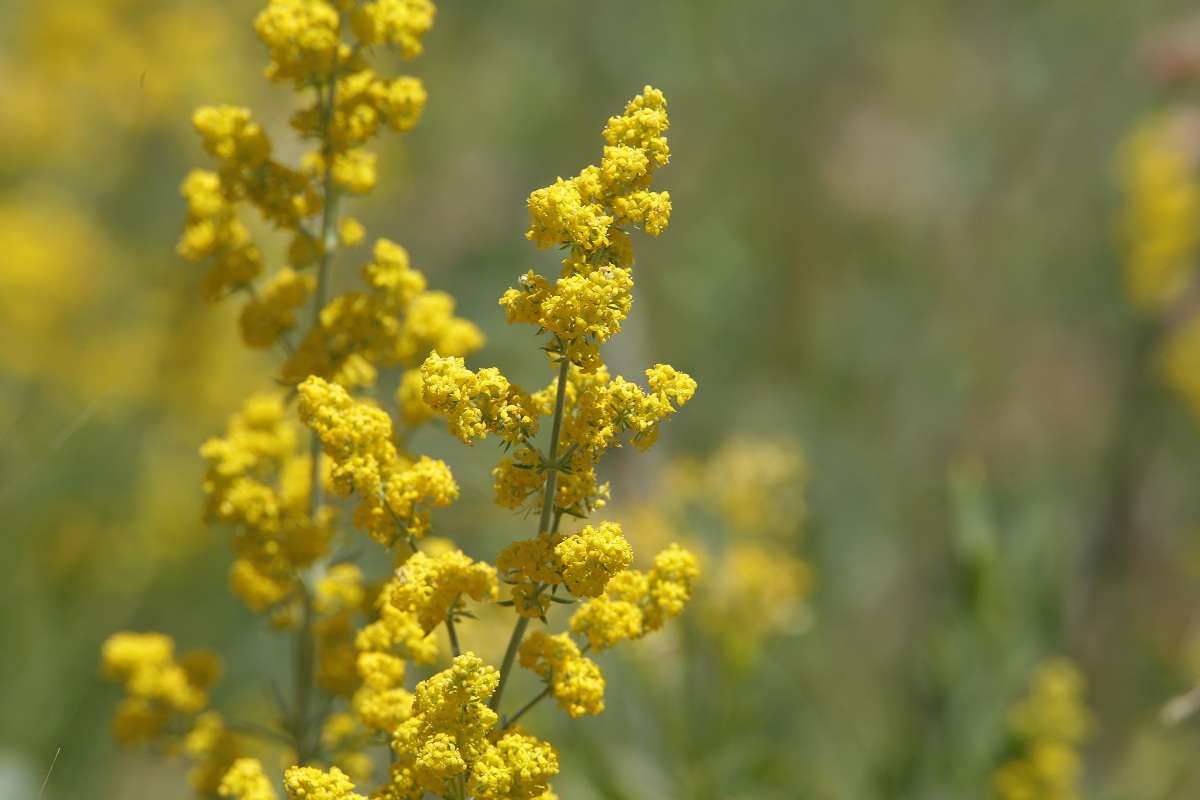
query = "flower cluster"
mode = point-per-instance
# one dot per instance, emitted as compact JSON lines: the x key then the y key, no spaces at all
{"x":1049,"y":723}
{"x":166,"y":699}
{"x":1163,"y":204}
{"x":584,"y":562}
{"x":259,"y":484}
{"x":156,"y":686}
{"x":477,"y":403}
{"x":752,"y":489}
{"x":310,"y":783}
{"x":584,"y":216}
{"x":574,"y":680}
{"x":636,"y":603}
{"x":451,"y":736}
{"x":396,"y":321}
{"x":356,"y":637}
{"x":394,"y":493}
{"x":431,"y":588}
{"x":1162,"y":186}
{"x":587,"y":412}
{"x":246,"y":780}
{"x":597,"y":411}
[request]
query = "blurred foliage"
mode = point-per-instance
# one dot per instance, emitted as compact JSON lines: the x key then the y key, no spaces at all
{"x":893,"y":241}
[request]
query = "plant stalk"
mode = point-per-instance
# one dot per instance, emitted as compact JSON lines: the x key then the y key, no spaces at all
{"x":544,"y":529}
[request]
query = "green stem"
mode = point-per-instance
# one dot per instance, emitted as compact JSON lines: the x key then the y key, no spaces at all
{"x":304,"y":742}
{"x":450,"y":629}
{"x":560,"y":402}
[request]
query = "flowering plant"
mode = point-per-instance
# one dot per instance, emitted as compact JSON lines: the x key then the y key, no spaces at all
{"x":357,"y":640}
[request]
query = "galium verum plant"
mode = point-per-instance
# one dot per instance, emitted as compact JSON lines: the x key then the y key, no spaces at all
{"x":456,"y":734}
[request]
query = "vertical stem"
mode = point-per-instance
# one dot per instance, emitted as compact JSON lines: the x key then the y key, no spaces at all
{"x":1111,"y":544}
{"x":450,"y":629}
{"x":305,"y":741}
{"x":560,"y":402}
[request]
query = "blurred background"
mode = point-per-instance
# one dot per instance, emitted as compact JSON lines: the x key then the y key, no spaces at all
{"x":894,"y":267}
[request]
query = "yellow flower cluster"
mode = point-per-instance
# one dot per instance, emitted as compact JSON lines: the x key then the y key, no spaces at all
{"x":310,"y":783}
{"x":395,"y":495}
{"x":584,"y":216}
{"x":432,"y":588}
{"x":754,"y":489}
{"x":383,"y":703}
{"x":597,"y":412}
{"x":396,"y":321}
{"x":163,"y":697}
{"x":477,"y":403}
{"x":585,"y":562}
{"x":384,"y":646}
{"x":156,"y":686}
{"x":246,"y":780}
{"x":1050,"y":722}
{"x":212,"y":747}
{"x":1161,"y":226}
{"x":337,"y":597}
{"x":592,"y":557}
{"x":259,"y":484}
{"x":354,"y":638}
{"x":448,"y":739}
{"x":574,"y":680}
{"x":635,"y":603}
{"x":1162,"y":209}
{"x":516,"y":766}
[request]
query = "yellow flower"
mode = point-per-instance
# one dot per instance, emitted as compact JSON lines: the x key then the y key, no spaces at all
{"x":303,"y":37}
{"x":396,"y":23}
{"x":1162,"y":208}
{"x":517,"y":767}
{"x":431,"y":588}
{"x":448,"y":730}
{"x":635,"y":603}
{"x":1049,"y":723}
{"x":1054,"y":708}
{"x":310,"y":783}
{"x":245,"y":780}
{"x":575,"y":681}
{"x":231,"y":137}
{"x":145,"y":664}
{"x":591,"y":557}
{"x":272,"y":311}
{"x":476,"y":404}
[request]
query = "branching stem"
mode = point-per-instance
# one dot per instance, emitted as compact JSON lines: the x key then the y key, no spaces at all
{"x":544,"y":523}
{"x":542,"y":695}
{"x":305,"y":742}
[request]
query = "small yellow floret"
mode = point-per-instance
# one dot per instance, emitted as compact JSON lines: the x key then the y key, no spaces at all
{"x":591,"y":557}
{"x":246,"y":780}
{"x":310,"y":783}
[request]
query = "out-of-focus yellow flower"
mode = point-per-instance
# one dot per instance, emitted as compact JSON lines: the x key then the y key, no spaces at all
{"x":574,"y":680}
{"x":1162,"y":210}
{"x":246,"y":780}
{"x":1049,"y":723}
